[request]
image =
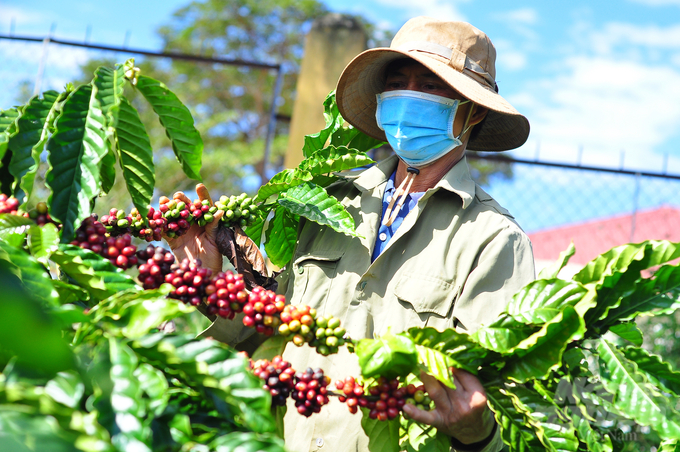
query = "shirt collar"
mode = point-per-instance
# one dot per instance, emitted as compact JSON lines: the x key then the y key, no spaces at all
{"x":457,"y":180}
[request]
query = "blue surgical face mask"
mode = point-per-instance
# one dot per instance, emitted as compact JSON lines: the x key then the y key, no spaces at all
{"x":418,"y":126}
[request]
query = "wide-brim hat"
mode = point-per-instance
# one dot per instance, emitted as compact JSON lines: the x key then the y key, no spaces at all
{"x":458,"y":53}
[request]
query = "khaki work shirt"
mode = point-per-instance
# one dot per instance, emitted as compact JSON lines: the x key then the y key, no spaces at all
{"x":455,"y":262}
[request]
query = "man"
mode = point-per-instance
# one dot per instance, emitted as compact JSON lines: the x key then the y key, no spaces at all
{"x":435,"y":249}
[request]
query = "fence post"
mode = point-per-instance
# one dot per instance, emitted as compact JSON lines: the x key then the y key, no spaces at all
{"x":331,"y":43}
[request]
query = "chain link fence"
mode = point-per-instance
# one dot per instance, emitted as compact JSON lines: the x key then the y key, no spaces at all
{"x":595,"y":208}
{"x":555,"y":204}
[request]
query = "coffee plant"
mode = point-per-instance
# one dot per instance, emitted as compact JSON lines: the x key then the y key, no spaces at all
{"x":87,"y":363}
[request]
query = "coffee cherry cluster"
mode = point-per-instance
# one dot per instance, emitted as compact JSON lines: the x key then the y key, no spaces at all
{"x":302,"y":323}
{"x":311,"y":391}
{"x":278,"y":376}
{"x":202,"y":212}
{"x":189,"y":279}
{"x":417,"y":395}
{"x":117,"y":222}
{"x":92,"y":235}
{"x":263,"y":309}
{"x":352,"y":394}
{"x":226,"y":294}
{"x":40,"y":215}
{"x":177,"y":215}
{"x":154,"y":264}
{"x":238,"y":210}
{"x":120,"y":251}
{"x":8,"y":204}
{"x":153,"y":229}
{"x":387,"y":398}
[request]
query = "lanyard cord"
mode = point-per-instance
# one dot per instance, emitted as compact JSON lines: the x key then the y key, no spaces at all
{"x":392,"y":210}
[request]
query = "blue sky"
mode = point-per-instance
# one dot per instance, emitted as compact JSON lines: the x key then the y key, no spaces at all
{"x":602,"y":76}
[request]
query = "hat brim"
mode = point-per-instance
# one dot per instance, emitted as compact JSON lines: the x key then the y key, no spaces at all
{"x":504,"y":127}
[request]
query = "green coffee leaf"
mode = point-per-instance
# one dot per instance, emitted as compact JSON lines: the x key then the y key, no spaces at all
{"x":8,"y":128}
{"x":460,"y":349}
{"x":547,"y":420}
{"x":516,"y":432}
{"x":133,"y":314}
{"x":540,"y":353}
{"x":660,"y":295}
{"x":436,"y":364}
{"x":43,"y":241}
{"x":654,"y":367}
{"x":333,"y":159}
{"x":32,"y":275}
{"x":334,"y":121}
{"x":136,"y":157}
{"x":281,"y":237}
{"x":551,"y":271}
{"x":390,"y":355}
{"x":282,"y":181}
{"x":315,"y":204}
{"x":503,"y":335}
{"x":634,"y":395}
{"x":13,"y":229}
{"x":542,"y":300}
{"x":383,"y":436}
{"x":27,"y":144}
{"x":616,"y":272}
{"x":75,"y":150}
{"x":353,"y":138}
{"x":133,"y":429}
{"x":628,"y":331}
{"x":66,"y":388}
{"x":154,"y":384}
{"x":94,"y":273}
{"x":418,"y":437}
{"x":22,"y":311}
{"x":110,"y":83}
{"x":247,"y":442}
{"x":178,"y":123}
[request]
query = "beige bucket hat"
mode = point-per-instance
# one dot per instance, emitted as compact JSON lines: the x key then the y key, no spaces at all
{"x":459,"y":54}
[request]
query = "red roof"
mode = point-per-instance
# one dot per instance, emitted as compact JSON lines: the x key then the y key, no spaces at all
{"x":597,"y":236}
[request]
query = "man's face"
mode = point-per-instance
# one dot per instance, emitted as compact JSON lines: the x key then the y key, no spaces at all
{"x":413,"y":76}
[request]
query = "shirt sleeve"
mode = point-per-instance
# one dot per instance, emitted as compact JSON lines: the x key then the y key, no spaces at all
{"x":504,"y":265}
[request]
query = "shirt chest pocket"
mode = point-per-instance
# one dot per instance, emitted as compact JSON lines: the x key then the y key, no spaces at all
{"x":428,"y":300}
{"x":314,"y":274}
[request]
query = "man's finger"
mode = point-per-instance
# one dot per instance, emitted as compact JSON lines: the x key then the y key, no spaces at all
{"x":203,"y":193}
{"x":422,"y":416}
{"x":436,"y":390}
{"x":181,"y":197}
{"x":467,"y":381}
{"x":211,"y":228}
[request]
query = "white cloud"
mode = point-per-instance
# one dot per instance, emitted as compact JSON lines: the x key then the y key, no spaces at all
{"x":526,"y":16}
{"x":441,"y":9}
{"x":508,"y":56}
{"x":615,"y":35}
{"x":605,"y":103}
{"x":658,"y":2}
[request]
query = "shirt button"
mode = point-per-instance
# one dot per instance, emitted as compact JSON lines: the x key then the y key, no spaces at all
{"x":362,"y":286}
{"x":301,"y":270}
{"x":382,"y":236}
{"x":389,"y":198}
{"x":319,"y":442}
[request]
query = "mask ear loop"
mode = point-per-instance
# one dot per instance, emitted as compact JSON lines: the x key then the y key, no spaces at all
{"x":467,"y":125}
{"x":402,"y":193}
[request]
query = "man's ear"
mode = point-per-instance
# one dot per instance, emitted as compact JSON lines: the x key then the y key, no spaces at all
{"x":478,"y":114}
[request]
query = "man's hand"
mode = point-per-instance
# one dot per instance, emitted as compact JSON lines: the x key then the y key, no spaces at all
{"x":461,"y":413}
{"x":199,"y":241}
